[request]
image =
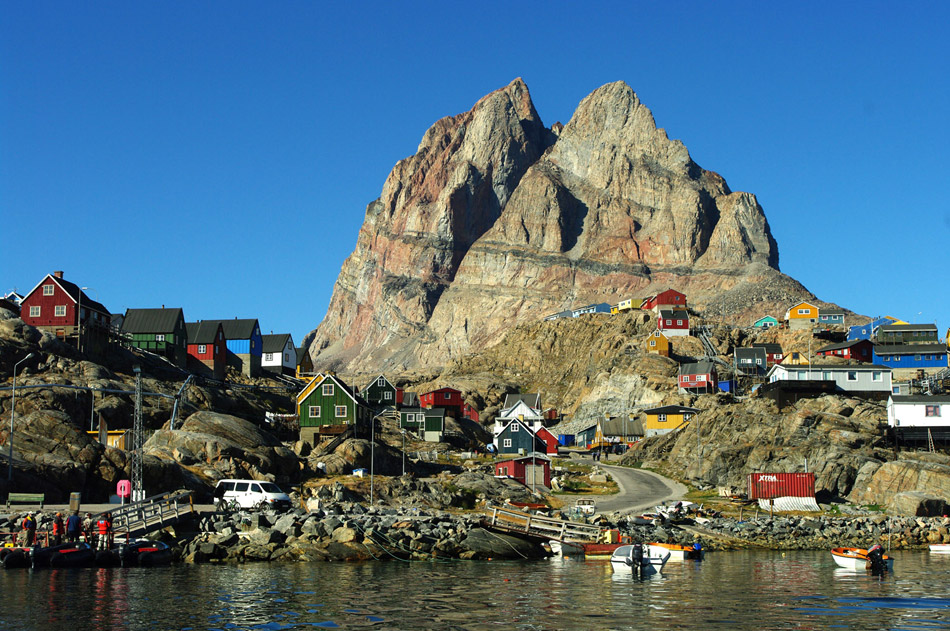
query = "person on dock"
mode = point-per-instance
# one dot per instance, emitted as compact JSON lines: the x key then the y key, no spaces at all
{"x":29,"y":530}
{"x":105,"y":531}
{"x":59,"y":529}
{"x":73,"y":527}
{"x":88,"y":530}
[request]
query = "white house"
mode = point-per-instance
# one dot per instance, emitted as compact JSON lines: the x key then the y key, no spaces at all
{"x":918,"y":411}
{"x":849,"y":378}
{"x":279,"y":354}
{"x":531,"y":417}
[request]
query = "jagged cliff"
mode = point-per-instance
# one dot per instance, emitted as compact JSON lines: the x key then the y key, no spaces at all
{"x":497,"y":220}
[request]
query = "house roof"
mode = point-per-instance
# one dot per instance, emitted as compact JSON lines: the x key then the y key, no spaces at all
{"x":701,"y":367}
{"x":841,"y":345}
{"x":755,"y":351}
{"x":908,"y":349}
{"x":434,"y":412}
{"x":767,"y":317}
{"x":671,"y":409}
{"x":410,"y":399}
{"x":519,"y":408}
{"x":375,"y":379}
{"x":201,"y":332}
{"x":622,"y":426}
{"x":275,"y":342}
{"x":830,"y":311}
{"x":922,"y":398}
{"x":319,"y":380}
{"x":533,"y":400}
{"x":771,"y":349}
{"x":74,"y":292}
{"x":151,"y":320}
{"x":906,"y":327}
{"x":446,"y":389}
{"x":238,"y":329}
{"x":830,"y":367}
{"x":678,"y":314}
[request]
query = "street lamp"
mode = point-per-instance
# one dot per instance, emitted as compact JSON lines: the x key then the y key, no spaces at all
{"x":403,"y":432}
{"x":13,"y":416}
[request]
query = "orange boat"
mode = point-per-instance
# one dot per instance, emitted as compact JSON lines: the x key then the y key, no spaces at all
{"x":677,"y":552}
{"x":857,"y":559}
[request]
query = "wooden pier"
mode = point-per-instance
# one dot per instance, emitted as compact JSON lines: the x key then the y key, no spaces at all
{"x":517,"y":522}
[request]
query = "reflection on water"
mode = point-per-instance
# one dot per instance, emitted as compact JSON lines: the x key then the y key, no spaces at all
{"x":735,"y":590}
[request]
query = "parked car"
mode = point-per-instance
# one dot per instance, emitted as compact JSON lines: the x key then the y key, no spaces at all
{"x":233,"y":494}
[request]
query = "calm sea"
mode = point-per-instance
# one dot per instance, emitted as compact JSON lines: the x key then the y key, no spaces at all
{"x":730,"y":590}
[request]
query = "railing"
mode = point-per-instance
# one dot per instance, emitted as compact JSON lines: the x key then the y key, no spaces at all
{"x":537,"y":526}
{"x":152,"y":513}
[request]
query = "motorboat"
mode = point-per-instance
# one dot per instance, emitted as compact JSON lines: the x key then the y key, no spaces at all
{"x":636,"y":560}
{"x":145,"y":553}
{"x":859,"y":559}
{"x":677,"y":552}
{"x":75,"y":555}
{"x":940,"y":547}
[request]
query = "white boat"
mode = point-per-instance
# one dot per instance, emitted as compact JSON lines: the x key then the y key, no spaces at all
{"x":940,"y":547}
{"x":676,"y":551}
{"x":856,"y":558}
{"x":624,"y":560}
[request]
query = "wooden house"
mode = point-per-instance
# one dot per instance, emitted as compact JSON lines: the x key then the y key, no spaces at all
{"x":830,"y":315}
{"x":773,"y":352}
{"x":669,"y":299}
{"x":304,"y":363}
{"x":665,"y":419}
{"x":381,"y":392}
{"x":517,"y":437}
{"x":520,"y":410}
{"x":866,"y":379}
{"x":328,"y":406}
{"x":751,"y":362}
{"x":765,"y":322}
{"x":856,"y":350}
{"x":802,"y":315}
{"x":207,"y":348}
{"x":279,"y":354}
{"x":794,"y":358}
{"x":658,"y":343}
{"x":908,"y":360}
{"x":625,"y":305}
{"x":869,"y":330}
{"x":601,"y":307}
{"x":532,"y":470}
{"x":62,"y":308}
{"x":469,"y":412}
{"x":586,"y":436}
{"x":160,"y":331}
{"x":919,"y":418}
{"x":895,"y":334}
{"x":618,"y":430}
{"x":449,"y":399}
{"x":558,"y":315}
{"x":698,"y":377}
{"x":673,"y":322}
{"x":245,"y":345}
{"x":426,"y":423}
{"x":412,"y":418}
{"x":549,"y":439}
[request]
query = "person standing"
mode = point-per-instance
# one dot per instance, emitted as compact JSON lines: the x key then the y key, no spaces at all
{"x":29,"y":530}
{"x":104,"y":526}
{"x":73,"y":527}
{"x":88,"y":525}
{"x":59,"y":529}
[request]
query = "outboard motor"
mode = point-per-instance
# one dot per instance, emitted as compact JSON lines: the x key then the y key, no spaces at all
{"x":696,"y":552}
{"x":876,"y":563}
{"x":636,"y":557}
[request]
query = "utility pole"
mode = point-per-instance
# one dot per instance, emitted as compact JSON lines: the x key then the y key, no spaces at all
{"x":138,"y":487}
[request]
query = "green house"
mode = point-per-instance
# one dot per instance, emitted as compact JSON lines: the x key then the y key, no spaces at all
{"x":160,"y":331}
{"x":327,"y":406}
{"x":381,"y":392}
{"x":766,"y":322}
{"x":428,"y":424}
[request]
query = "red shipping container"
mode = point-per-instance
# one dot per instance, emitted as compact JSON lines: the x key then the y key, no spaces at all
{"x":764,"y":486}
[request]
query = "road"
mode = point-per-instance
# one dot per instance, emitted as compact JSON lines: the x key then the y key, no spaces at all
{"x":639,"y":490}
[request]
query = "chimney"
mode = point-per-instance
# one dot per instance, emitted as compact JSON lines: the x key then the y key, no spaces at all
{"x":58,"y":273}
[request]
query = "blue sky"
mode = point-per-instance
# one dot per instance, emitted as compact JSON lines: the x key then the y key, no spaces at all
{"x":219,"y":156}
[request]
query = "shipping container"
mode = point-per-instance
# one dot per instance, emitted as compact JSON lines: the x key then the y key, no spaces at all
{"x":769,"y":485}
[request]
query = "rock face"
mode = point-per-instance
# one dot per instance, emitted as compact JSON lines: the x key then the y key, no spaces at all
{"x":497,"y":221}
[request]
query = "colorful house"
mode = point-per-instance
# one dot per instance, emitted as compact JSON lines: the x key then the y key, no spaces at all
{"x":625,"y":305}
{"x":279,"y":354}
{"x":520,"y":410}
{"x":906,"y":360}
{"x":856,"y":350}
{"x":893,"y":334}
{"x":559,"y":315}
{"x":802,"y":315}
{"x":327,"y":406}
{"x":698,"y":377}
{"x":869,"y":330}
{"x":773,"y":352}
{"x":853,"y":378}
{"x":428,"y":424}
{"x":550,"y":441}
{"x":586,"y":436}
{"x":448,"y":398}
{"x":304,"y":363}
{"x":616,"y":430}
{"x":207,"y":348}
{"x":469,"y":412}
{"x":751,"y":362}
{"x":766,"y":322}
{"x":829,"y":315}
{"x":532,"y":470}
{"x":517,"y":437}
{"x":381,"y":392}
{"x":919,"y":418}
{"x":245,"y":345}
{"x":669,"y":299}
{"x":673,"y":322}
{"x":602,"y":307}
{"x":63,"y":309}
{"x":160,"y":331}
{"x":658,"y":343}
{"x":665,"y":419}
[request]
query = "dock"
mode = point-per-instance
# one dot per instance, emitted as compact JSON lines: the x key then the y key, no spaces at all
{"x":537,"y":527}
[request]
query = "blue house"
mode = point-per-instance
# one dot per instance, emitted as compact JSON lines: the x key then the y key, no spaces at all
{"x":766,"y":322}
{"x":245,"y":345}
{"x":909,"y":358}
{"x":830,"y":316}
{"x":598,"y":308}
{"x":517,"y":438}
{"x":867,"y":331}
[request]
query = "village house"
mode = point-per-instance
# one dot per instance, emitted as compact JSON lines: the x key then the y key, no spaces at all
{"x":773,"y":352}
{"x":449,"y":399}
{"x":673,"y":322}
{"x":469,"y":412}
{"x":617,"y":430}
{"x":751,"y":362}
{"x":666,"y":418}
{"x":304,"y":364}
{"x":279,"y":354}
{"x":207,"y":348}
{"x":519,"y":407}
{"x":585,"y":437}
{"x":245,"y":345}
{"x":532,"y":470}
{"x":894,"y":334}
{"x":765,"y":322}
{"x":327,"y":406}
{"x":160,"y":331}
{"x":658,"y":343}
{"x":602,"y":307}
{"x":855,"y":350}
{"x":62,"y":308}
{"x":867,"y":379}
{"x":624,"y":305}
{"x":869,"y":330}
{"x":919,"y":418}
{"x":669,"y":299}
{"x":830,"y":315}
{"x":427,"y":424}
{"x":698,"y":377}
{"x":908,"y":360}
{"x":381,"y":392}
{"x":802,"y":315}
{"x":518,"y":437}
{"x":794,"y":358}
{"x":559,"y":315}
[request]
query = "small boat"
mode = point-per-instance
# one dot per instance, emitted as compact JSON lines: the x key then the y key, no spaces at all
{"x":39,"y":557}
{"x":858,"y":559}
{"x":940,"y":547}
{"x":146,"y":553}
{"x":677,"y":551}
{"x":16,"y":557}
{"x":77,"y":555}
{"x":634,"y":559}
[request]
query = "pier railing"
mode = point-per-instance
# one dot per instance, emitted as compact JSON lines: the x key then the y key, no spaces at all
{"x":152,"y":513}
{"x":519,"y":522}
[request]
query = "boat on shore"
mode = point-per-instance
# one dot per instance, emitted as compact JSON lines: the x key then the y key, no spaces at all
{"x":859,"y":559}
{"x":940,"y":547}
{"x":636,"y":560}
{"x":677,"y":552}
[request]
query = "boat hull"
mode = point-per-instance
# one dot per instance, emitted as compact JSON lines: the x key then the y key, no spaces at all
{"x":621,"y":561}
{"x":856,"y":558}
{"x":677,"y":552}
{"x":943,"y":548}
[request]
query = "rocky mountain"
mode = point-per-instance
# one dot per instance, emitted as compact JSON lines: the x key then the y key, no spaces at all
{"x":497,"y":220}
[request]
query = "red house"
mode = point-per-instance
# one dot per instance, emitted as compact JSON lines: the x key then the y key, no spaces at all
{"x":529,"y":470}
{"x":698,"y":377}
{"x":550,"y":441}
{"x":670,"y":298}
{"x":858,"y":350}
{"x":773,"y":353}
{"x":673,"y":322}
{"x":447,"y":398}
{"x":207,"y":348}
{"x":62,"y":308}
{"x":470,"y":413}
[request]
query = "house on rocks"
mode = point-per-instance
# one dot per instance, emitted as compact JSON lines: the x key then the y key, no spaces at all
{"x":773,"y":352}
{"x":897,"y":334}
{"x":673,"y":322}
{"x":765,"y":322}
{"x":919,"y":418}
{"x":854,"y":350}
{"x":751,"y":362}
{"x":868,"y":380}
{"x":666,"y":418}
{"x":698,"y":377}
{"x":658,"y":343}
{"x":159,"y":331}
{"x":304,"y":364}
{"x":669,"y":299}
{"x":533,"y":470}
{"x":328,"y":407}
{"x":62,"y":308}
{"x":449,"y":399}
{"x":207,"y":349}
{"x":802,"y":315}
{"x":245,"y":345}
{"x":279,"y":354}
{"x":382,"y":393}
{"x":517,"y":437}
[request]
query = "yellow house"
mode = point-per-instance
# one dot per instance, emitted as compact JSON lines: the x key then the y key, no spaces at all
{"x":658,"y":343}
{"x":794,"y":358}
{"x":117,"y":438}
{"x":665,"y":419}
{"x":801,"y":316}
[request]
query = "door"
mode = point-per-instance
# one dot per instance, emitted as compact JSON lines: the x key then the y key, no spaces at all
{"x":534,"y":476}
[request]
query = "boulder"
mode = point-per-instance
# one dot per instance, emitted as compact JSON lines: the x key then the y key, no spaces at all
{"x":916,"y":503}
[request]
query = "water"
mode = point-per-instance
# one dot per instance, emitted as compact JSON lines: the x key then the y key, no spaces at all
{"x":730,"y":590}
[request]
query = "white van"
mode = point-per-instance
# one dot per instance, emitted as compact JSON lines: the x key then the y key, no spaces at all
{"x":231,"y":494}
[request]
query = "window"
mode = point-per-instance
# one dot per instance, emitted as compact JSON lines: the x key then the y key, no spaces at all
{"x":700,"y":377}
{"x":60,"y":311}
{"x":515,"y":427}
{"x":803,"y":311}
{"x":47,"y":290}
{"x":932,"y":410}
{"x":447,"y":396}
{"x":679,"y":323}
{"x":661,"y":418}
{"x":215,"y":351}
{"x":328,"y":389}
{"x":159,"y":337}
{"x":252,"y":344}
{"x":340,"y":411}
{"x":506,"y":443}
{"x":314,"y":411}
{"x":669,"y":323}
{"x":826,"y":376}
{"x":876,"y":376}
{"x":202,"y":349}
{"x":652,"y":342}
{"x":917,"y":357}
{"x":381,"y":381}
{"x":34,"y":312}
{"x":896,"y":358}
{"x":852,"y":375}
{"x":687,"y":416}
{"x":286,"y":357}
{"x":758,"y":361}
{"x":388,"y":395}
{"x":269,"y":357}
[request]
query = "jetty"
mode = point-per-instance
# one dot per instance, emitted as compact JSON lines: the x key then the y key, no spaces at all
{"x":538,"y":527}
